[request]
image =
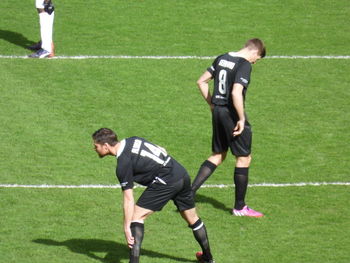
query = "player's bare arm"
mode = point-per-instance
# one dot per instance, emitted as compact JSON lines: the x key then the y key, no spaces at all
{"x":237,"y":98}
{"x":129,"y":204}
{"x":203,"y":85}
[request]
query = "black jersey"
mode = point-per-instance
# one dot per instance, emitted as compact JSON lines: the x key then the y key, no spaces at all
{"x":141,"y":161}
{"x":227,"y":70}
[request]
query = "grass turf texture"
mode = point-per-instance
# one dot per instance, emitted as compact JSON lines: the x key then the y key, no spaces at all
{"x":49,"y":108}
{"x":48,"y":120}
{"x":86,"y":226}
{"x":181,"y":27}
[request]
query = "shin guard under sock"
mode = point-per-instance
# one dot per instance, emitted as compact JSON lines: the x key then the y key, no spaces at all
{"x":137,"y":231}
{"x":241,"y":183}
{"x":200,"y":233}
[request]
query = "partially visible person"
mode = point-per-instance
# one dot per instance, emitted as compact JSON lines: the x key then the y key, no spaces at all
{"x":145,"y":163}
{"x":45,"y":47}
{"x":231,"y":129}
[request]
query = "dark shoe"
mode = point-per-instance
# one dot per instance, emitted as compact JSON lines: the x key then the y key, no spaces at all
{"x":201,"y":259}
{"x":35,"y":46}
{"x":42,"y":53}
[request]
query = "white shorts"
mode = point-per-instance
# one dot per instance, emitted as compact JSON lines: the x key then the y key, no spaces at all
{"x":39,"y":3}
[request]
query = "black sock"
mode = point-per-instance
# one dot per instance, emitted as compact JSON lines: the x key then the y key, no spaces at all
{"x":137,"y":231}
{"x":200,"y":233}
{"x":241,"y":183}
{"x":206,"y":169}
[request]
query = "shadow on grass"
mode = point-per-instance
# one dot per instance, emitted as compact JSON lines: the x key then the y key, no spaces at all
{"x":214,"y":202}
{"x":115,"y":252}
{"x":15,"y":38}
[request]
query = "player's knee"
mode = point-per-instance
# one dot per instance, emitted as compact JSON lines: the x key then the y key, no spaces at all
{"x":249,"y":159}
{"x":244,"y":161}
{"x":217,"y":158}
{"x":190,"y":215}
{"x":140,"y":214}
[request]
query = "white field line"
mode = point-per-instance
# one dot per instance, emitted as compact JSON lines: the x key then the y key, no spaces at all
{"x":174,"y":57}
{"x":92,"y":186}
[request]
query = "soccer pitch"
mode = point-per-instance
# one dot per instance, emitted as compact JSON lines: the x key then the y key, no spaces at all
{"x":136,"y":74}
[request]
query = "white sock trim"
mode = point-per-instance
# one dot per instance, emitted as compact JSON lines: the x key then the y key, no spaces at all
{"x":198,"y":227}
{"x":138,"y":221}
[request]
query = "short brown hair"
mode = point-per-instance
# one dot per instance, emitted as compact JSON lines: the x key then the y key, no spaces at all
{"x":105,"y":135}
{"x":256,"y":43}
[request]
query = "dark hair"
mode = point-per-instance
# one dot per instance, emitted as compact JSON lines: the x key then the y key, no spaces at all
{"x":105,"y":135}
{"x":256,"y":43}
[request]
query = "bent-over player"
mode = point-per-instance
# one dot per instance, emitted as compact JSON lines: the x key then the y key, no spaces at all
{"x":145,"y":163}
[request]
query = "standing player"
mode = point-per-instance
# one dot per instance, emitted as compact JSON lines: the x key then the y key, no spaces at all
{"x":45,"y":47}
{"x":231,"y":129}
{"x":145,"y":163}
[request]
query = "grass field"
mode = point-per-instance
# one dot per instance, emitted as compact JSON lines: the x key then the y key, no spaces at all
{"x":299,"y":109}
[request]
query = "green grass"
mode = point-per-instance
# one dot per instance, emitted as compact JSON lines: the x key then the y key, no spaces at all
{"x":86,"y":226}
{"x":299,"y":124}
{"x":148,"y":27}
{"x":299,"y":110}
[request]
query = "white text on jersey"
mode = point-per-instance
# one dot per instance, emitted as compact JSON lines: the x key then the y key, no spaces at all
{"x":227,"y":64}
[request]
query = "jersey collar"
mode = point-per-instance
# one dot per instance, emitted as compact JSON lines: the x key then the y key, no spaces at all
{"x":121,"y":148}
{"x":233,"y":54}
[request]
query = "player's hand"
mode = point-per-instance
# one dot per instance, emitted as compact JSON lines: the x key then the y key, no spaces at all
{"x":129,"y":238}
{"x":239,"y":128}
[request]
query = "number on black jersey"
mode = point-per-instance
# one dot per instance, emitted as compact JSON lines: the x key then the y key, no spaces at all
{"x":222,"y":82}
{"x":154,"y":152}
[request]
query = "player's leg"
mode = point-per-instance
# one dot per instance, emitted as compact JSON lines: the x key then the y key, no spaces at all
{"x":240,"y":179}
{"x":154,"y":198}
{"x":46,"y":30}
{"x":222,"y":126}
{"x":46,"y":19}
{"x":200,"y":233}
{"x":184,"y":201}
{"x":207,"y":169}
{"x":50,"y":34}
{"x":137,"y":230}
{"x":241,"y":148}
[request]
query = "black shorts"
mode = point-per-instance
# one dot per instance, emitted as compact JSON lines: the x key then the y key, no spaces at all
{"x":174,"y":186}
{"x":224,"y":122}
